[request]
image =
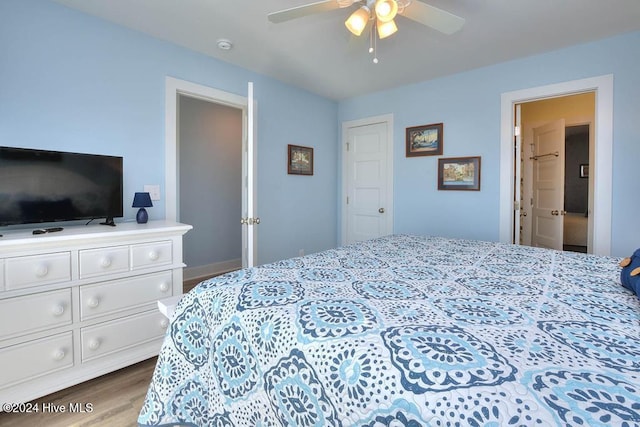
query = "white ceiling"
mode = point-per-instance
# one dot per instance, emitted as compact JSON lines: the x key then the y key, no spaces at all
{"x":319,"y":54}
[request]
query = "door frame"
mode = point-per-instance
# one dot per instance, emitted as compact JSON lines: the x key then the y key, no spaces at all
{"x":385,"y":118}
{"x":173,"y":88}
{"x":603,"y":150}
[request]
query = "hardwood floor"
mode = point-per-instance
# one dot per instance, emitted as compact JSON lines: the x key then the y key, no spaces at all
{"x":115,"y":399}
{"x":190,"y":284}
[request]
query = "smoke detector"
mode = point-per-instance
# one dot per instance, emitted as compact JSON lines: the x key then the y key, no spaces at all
{"x":224,"y":44}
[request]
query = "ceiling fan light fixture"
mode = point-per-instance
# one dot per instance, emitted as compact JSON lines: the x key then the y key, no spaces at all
{"x":386,"y":10}
{"x":357,"y":22}
{"x":385,"y":29}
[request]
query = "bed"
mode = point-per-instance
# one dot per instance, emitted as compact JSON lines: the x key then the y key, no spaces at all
{"x":405,"y":331}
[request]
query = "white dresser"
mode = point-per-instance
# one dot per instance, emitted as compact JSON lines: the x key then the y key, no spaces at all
{"x":81,"y":302}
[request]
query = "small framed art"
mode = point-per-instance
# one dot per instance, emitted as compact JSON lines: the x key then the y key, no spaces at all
{"x":425,"y":140}
{"x":300,"y":160}
{"x":459,"y":173}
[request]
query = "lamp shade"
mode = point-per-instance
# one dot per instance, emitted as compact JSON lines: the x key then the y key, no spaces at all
{"x":142,"y":200}
{"x":385,"y":29}
{"x":358,"y":20}
{"x":386,"y":10}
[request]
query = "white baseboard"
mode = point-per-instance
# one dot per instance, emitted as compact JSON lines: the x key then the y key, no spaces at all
{"x":209,"y":270}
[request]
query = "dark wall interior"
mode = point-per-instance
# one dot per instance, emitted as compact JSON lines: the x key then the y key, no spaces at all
{"x":576,"y":188}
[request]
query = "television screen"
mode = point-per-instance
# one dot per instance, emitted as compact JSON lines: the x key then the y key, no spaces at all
{"x":39,"y":186}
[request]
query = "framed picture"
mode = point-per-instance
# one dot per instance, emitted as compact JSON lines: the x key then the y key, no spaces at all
{"x":459,"y":173}
{"x":584,"y":170}
{"x":300,"y":160}
{"x":425,"y":140}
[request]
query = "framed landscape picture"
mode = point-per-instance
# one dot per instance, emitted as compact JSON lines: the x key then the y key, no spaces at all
{"x":300,"y":160}
{"x":459,"y":173}
{"x":425,"y":140}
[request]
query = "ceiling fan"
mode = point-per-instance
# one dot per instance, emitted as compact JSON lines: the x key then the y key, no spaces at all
{"x":382,"y":12}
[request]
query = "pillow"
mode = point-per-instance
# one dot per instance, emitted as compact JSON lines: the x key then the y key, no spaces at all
{"x":630,"y":274}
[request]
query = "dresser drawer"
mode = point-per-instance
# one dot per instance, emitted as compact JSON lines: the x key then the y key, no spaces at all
{"x":98,"y":262}
{"x":26,"y":361}
{"x":37,"y":270}
{"x":31,"y":313}
{"x":105,"y":298}
{"x":128,"y":332}
{"x":150,"y":254}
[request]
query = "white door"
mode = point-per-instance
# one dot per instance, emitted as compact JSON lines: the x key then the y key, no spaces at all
{"x":519,"y":214}
{"x":368,"y":182}
{"x":548,"y":185}
{"x":249,"y":220}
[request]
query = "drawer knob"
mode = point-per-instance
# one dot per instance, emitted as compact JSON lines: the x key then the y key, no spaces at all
{"x":59,"y":354}
{"x":58,"y":310}
{"x":93,"y":302}
{"x":42,"y":270}
{"x":164,"y":286}
{"x":94,"y":344}
{"x":164,"y":323}
{"x":154,"y":255}
{"x":105,"y":262}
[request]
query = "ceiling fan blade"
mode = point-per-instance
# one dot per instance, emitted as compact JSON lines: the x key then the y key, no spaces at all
{"x":305,"y":10}
{"x":431,"y":16}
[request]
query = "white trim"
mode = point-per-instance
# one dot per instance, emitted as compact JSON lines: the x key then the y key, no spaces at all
{"x":517,"y":196}
{"x":603,"y":152}
{"x":173,"y":88}
{"x":388,"y":119}
{"x":249,"y":254}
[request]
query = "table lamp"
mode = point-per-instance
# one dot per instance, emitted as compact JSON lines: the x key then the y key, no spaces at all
{"x":142,"y":201}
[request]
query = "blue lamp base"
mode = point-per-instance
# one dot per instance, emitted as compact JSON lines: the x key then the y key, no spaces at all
{"x":142,"y":216}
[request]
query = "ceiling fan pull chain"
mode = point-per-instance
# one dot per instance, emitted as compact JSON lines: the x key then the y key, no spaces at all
{"x":373,"y":45}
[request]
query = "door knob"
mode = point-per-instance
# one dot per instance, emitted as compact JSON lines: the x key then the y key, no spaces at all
{"x":555,"y":212}
{"x":381,"y":210}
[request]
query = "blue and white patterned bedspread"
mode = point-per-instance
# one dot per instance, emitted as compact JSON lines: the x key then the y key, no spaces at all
{"x":405,"y":331}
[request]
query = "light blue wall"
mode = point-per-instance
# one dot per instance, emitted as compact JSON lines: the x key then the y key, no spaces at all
{"x":72,"y":82}
{"x":69,"y":81}
{"x":469,"y":106}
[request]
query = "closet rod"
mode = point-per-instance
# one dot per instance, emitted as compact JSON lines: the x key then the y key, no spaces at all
{"x":544,"y":155}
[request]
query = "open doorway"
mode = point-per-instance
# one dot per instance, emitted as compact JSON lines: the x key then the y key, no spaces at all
{"x":210,"y":186}
{"x":555,"y":188}
{"x":600,"y":171}
{"x":175,"y":89}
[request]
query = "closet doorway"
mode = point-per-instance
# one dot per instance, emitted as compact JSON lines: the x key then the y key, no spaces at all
{"x":555,"y":187}
{"x":600,"y":176}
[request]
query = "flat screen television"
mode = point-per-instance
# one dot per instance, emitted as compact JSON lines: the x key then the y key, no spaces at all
{"x":39,"y":186}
